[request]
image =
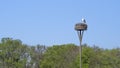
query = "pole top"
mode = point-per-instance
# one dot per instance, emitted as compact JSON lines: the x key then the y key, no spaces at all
{"x":81,"y":26}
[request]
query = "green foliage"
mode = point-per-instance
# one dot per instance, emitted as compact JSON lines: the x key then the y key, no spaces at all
{"x":92,"y":57}
{"x":11,"y":51}
{"x":59,"y":56}
{"x":14,"y":54}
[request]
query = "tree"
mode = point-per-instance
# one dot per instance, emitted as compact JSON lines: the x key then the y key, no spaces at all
{"x":11,"y":52}
{"x":59,"y":56}
{"x":36,"y":54}
{"x":15,"y":54}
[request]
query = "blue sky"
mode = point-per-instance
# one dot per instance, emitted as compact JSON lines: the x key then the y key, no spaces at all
{"x":51,"y":22}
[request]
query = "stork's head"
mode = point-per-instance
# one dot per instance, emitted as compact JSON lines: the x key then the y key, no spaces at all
{"x":83,"y":20}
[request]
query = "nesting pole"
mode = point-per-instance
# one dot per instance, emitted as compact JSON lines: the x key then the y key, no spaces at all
{"x":80,"y":28}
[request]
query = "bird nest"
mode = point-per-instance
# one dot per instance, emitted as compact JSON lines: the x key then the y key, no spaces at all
{"x":81,"y":26}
